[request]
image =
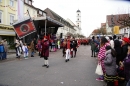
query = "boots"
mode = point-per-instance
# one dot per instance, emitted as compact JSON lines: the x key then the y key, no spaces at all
{"x":47,"y":62}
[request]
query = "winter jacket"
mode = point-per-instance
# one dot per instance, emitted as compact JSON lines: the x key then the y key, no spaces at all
{"x":127,"y":67}
{"x":45,"y":48}
{"x":110,"y":63}
{"x":93,"y":45}
{"x":124,"y":50}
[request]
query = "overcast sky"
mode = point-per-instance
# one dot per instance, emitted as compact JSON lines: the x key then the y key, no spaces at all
{"x":93,"y":12}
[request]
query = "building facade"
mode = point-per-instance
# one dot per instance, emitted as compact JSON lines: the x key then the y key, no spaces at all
{"x":78,"y":21}
{"x":8,"y":13}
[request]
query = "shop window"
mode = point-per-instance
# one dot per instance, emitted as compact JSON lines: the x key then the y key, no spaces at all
{"x":11,"y":3}
{"x":11,"y":19}
{"x":0,"y":17}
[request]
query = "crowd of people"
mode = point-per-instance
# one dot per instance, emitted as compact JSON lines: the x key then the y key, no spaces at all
{"x":3,"y":49}
{"x":113,"y":54}
{"x":43,"y":46}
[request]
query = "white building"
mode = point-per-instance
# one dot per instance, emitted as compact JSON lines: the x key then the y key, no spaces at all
{"x":78,"y":22}
{"x":77,"y":30}
{"x":125,"y":31}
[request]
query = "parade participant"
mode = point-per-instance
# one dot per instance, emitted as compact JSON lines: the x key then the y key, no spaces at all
{"x":25,"y":51}
{"x":101,"y":56}
{"x":58,"y":43}
{"x":39,"y":47}
{"x":68,"y":47}
{"x":32,"y":48}
{"x":110,"y":66}
{"x":64,"y":47}
{"x":18,"y":49}
{"x":75,"y":45}
{"x":45,"y":51}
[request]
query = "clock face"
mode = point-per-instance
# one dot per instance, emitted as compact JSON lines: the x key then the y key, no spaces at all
{"x":24,"y":28}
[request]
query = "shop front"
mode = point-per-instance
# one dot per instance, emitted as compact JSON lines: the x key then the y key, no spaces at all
{"x":7,"y":32}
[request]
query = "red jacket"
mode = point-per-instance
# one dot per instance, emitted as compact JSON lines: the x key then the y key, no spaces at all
{"x":45,"y":48}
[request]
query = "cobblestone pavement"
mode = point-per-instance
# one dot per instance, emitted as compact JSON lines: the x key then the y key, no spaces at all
{"x":79,"y":71}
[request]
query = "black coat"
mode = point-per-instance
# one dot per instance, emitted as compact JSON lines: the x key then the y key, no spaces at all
{"x":117,"y":47}
{"x":124,"y":50}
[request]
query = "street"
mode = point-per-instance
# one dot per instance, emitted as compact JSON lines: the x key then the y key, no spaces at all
{"x":79,"y":71}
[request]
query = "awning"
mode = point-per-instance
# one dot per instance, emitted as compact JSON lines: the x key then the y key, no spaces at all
{"x":7,"y":32}
{"x":50,"y":22}
{"x":6,"y":27}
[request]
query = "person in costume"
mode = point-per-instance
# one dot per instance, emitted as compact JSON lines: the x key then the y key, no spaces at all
{"x":45,"y":51}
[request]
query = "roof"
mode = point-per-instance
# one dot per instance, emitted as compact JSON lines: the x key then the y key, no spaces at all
{"x":103,"y":24}
{"x":55,"y":16}
{"x":78,"y":10}
{"x":114,"y":20}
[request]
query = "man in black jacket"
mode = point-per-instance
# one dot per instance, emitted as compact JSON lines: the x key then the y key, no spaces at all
{"x":74,"y":45}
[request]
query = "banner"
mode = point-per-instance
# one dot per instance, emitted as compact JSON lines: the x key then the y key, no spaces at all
{"x":116,"y":29}
{"x":24,"y":28}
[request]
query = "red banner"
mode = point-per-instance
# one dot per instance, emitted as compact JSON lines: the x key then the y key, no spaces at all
{"x":24,"y":28}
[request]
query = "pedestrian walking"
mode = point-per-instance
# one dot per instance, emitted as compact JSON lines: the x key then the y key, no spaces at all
{"x":25,"y":51}
{"x":45,"y":51}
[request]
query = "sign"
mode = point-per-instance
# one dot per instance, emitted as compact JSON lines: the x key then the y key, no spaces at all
{"x":24,"y":28}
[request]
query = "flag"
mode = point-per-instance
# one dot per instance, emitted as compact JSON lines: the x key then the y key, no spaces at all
{"x":24,"y":27}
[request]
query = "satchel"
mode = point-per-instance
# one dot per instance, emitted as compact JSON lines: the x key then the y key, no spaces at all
{"x":99,"y":69}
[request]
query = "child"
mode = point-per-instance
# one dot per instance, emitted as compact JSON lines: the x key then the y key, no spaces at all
{"x":110,"y":66}
{"x":25,"y":51}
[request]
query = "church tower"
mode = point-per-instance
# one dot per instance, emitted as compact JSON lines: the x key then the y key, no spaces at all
{"x":79,"y":19}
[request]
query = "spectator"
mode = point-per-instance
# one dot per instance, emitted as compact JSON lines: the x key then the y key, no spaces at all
{"x":110,"y":66}
{"x":101,"y":56}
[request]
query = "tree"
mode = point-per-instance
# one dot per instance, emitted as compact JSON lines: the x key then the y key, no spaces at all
{"x":124,"y":19}
{"x":103,"y":31}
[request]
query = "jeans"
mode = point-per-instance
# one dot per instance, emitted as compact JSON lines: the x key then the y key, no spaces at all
{"x":32,"y":54}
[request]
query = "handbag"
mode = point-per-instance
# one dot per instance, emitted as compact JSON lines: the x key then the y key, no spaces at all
{"x":99,"y":69}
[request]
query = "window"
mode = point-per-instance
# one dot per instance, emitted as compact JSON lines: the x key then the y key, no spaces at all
{"x":0,"y":17}
{"x":78,"y":19}
{"x":78,"y":14}
{"x":11,"y":3}
{"x":11,"y":19}
{"x":34,"y":12}
{"x":26,"y":1}
{"x":30,"y":3}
